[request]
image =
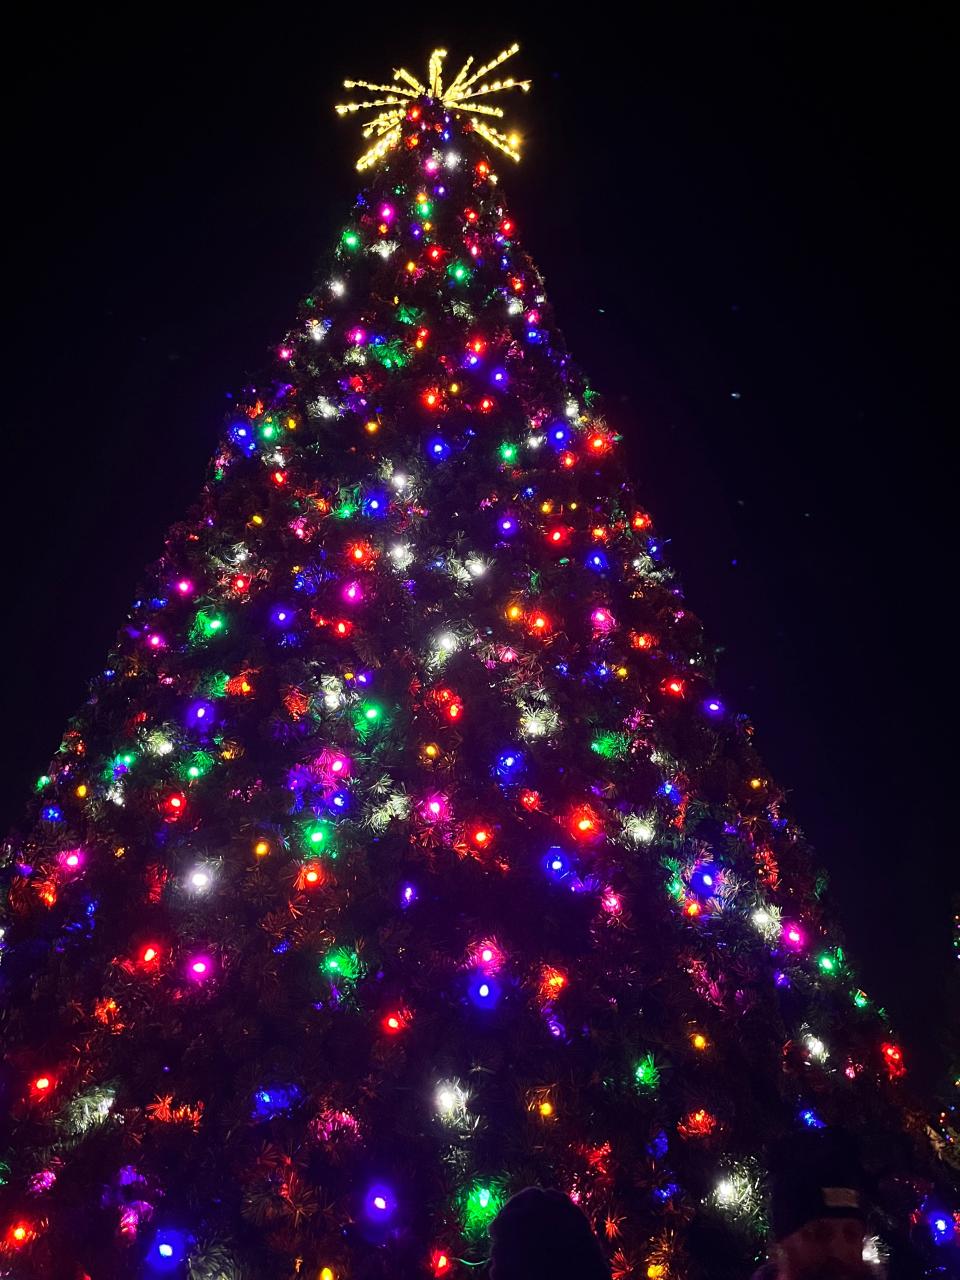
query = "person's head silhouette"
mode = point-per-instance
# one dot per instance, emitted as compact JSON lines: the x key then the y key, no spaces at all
{"x":542,"y":1235}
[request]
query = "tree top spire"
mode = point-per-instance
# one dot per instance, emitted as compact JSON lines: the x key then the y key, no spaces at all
{"x":459,"y":96}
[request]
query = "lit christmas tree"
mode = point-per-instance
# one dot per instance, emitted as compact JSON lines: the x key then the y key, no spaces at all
{"x":405,"y":854}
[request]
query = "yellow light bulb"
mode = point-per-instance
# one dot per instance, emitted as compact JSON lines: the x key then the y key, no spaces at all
{"x":699,"y":1040}
{"x":546,"y":1109}
{"x":256,"y":519}
{"x":82,"y":790}
{"x":261,"y":848}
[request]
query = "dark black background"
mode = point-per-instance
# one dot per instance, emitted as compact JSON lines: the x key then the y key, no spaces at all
{"x":742,"y":219}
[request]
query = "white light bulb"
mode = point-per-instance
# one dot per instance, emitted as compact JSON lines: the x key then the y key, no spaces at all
{"x":450,"y":1101}
{"x":725,"y":1191}
{"x":200,"y":880}
{"x":816,"y":1048}
{"x":401,"y":555}
{"x":337,"y":288}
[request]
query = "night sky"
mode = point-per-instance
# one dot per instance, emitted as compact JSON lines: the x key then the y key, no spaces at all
{"x":742,"y":222}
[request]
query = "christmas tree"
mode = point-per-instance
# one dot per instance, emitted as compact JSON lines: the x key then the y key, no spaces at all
{"x":405,"y":853}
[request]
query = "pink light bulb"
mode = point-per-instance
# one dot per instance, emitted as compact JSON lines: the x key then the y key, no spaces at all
{"x":487,"y":955}
{"x":199,"y":968}
{"x":185,"y":587}
{"x":435,"y":808}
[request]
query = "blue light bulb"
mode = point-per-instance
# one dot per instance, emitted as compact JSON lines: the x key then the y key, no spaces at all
{"x":556,"y":863}
{"x":705,"y":879}
{"x":509,"y":764}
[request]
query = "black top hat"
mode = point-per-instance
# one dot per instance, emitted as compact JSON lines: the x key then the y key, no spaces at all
{"x":815,"y":1174}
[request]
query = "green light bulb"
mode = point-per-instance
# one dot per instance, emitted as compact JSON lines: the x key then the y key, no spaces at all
{"x":351,"y":240}
{"x":317,"y":837}
{"x":480,"y":1204}
{"x":341,"y":962}
{"x":207,"y":625}
{"x":508,"y":452}
{"x":647,"y":1073}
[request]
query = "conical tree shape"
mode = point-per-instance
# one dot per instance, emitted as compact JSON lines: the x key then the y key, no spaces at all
{"x":404,"y":853}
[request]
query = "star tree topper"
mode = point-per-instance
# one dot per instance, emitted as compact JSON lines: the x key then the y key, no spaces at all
{"x":459,"y":96}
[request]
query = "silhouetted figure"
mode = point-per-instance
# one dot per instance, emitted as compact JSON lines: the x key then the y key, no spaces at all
{"x":817,"y":1207}
{"x":542,"y":1235}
